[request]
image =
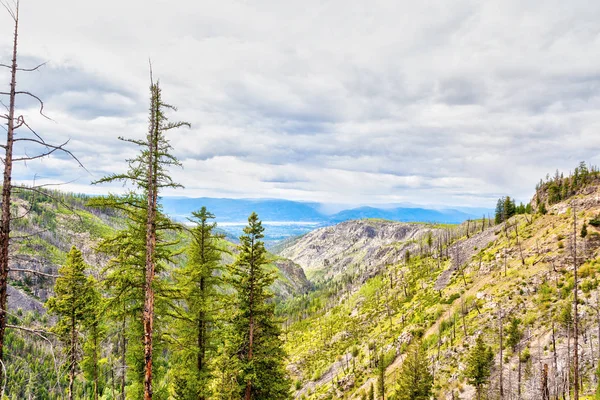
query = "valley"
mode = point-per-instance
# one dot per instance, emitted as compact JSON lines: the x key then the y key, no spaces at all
{"x":355,"y":296}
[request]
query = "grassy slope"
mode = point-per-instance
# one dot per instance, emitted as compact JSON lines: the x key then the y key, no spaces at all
{"x":355,"y":319}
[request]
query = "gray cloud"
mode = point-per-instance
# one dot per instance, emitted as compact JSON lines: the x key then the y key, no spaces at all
{"x":340,"y":101}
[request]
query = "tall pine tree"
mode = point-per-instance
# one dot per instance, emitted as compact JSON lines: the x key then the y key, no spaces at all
{"x":73,"y":304}
{"x":256,"y":331}
{"x":479,"y":365}
{"x":415,"y":380}
{"x":140,"y":251}
{"x":199,"y":283}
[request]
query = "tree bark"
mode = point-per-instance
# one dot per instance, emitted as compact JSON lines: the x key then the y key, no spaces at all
{"x":72,"y":357}
{"x":501,"y":360}
{"x":123,"y":359}
{"x":519,"y":377}
{"x":95,"y":327}
{"x":6,"y":192}
{"x":248,"y":394}
{"x":148,"y":314}
{"x":576,"y":317}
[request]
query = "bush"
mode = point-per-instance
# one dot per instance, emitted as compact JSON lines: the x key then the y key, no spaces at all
{"x":595,"y":221}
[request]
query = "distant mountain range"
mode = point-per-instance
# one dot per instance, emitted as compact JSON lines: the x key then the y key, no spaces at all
{"x":237,"y":211}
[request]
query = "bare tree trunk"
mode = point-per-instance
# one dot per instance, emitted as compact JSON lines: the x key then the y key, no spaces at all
{"x":148,"y":313}
{"x":72,"y":357}
{"x":544,"y":388}
{"x":569,"y":360}
{"x":501,"y":334}
{"x":123,"y":360}
{"x":576,"y":316}
{"x":95,"y":360}
{"x":519,"y":244}
{"x":248,"y":394}
{"x":555,"y":361}
{"x":7,"y":190}
{"x":519,"y":377}
{"x":463,"y":312}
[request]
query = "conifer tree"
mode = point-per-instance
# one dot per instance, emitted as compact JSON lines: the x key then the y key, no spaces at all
{"x":415,"y":380}
{"x":140,"y":251}
{"x":72,"y":303}
{"x":199,"y":286}
{"x":542,"y":208}
{"x":381,"y":377}
{"x":256,"y":331}
{"x":95,"y":331}
{"x":500,"y":214}
{"x":479,"y":365}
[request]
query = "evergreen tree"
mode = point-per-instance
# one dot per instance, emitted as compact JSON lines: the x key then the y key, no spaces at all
{"x":584,"y":231}
{"x":95,"y":333}
{"x":415,"y":382}
{"x":256,"y":331}
{"x":140,"y":250}
{"x":514,"y":334}
{"x":499,"y":215}
{"x":381,"y":377}
{"x":72,"y":304}
{"x":199,"y":285}
{"x":479,"y":365}
{"x":371,"y":392}
{"x":542,"y":208}
{"x":509,"y":207}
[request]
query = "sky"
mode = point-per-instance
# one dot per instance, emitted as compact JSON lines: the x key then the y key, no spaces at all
{"x":349,"y":102}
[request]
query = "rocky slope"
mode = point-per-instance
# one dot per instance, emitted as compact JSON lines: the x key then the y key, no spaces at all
{"x":368,"y":244}
{"x":370,"y":301}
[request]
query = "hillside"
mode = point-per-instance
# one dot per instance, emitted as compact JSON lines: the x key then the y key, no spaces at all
{"x":356,"y":295}
{"x":371,"y":300}
{"x":45,"y":227}
{"x":366,"y":244}
{"x":53,"y":223}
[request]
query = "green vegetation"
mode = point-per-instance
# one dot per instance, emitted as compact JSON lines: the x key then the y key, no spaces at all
{"x":479,"y":365}
{"x":415,"y":382}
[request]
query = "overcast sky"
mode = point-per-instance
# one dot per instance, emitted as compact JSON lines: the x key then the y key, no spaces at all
{"x":427,"y":102}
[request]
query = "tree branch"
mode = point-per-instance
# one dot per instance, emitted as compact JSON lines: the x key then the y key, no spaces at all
{"x":31,"y":271}
{"x":26,"y":69}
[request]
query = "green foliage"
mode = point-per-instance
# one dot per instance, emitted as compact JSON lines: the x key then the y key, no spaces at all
{"x":514,"y":334}
{"x":75,"y":302}
{"x":143,"y":242}
{"x":381,"y":376}
{"x":195,"y":330}
{"x":415,"y":381}
{"x":506,"y":208}
{"x":479,"y":365}
{"x":559,"y":187}
{"x":255,"y":331}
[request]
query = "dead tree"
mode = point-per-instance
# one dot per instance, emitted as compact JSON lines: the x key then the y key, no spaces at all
{"x":15,"y":121}
{"x":576,"y":317}
{"x":500,"y":336}
{"x":519,"y":244}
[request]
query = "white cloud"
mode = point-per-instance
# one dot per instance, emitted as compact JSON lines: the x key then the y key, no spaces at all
{"x":340,"y":101}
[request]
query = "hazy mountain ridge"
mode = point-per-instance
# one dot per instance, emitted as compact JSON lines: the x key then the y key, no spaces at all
{"x":57,"y":222}
{"x":368,"y":244}
{"x":237,"y":210}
